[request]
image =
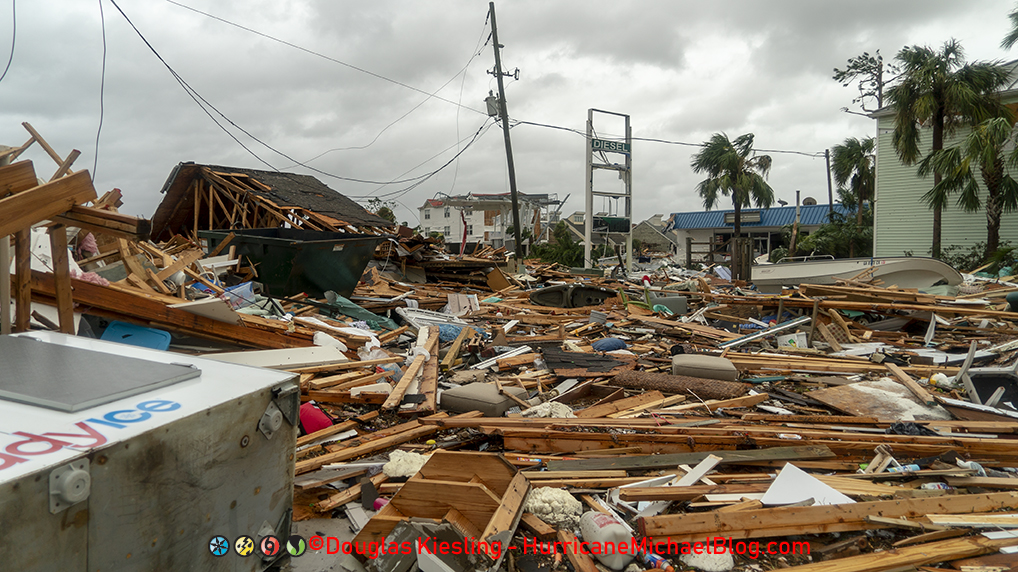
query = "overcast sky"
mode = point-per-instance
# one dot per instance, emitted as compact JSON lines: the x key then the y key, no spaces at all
{"x":346,"y":88}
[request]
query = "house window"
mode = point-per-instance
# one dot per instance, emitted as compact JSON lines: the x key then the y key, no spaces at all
{"x":470,"y":230}
{"x":427,"y":214}
{"x":446,"y":231}
{"x":447,"y":212}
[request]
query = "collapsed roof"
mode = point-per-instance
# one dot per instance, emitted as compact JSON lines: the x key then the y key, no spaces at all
{"x":207,"y":197}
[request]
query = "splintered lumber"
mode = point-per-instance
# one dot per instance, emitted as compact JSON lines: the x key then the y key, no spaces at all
{"x":348,"y":495}
{"x":414,"y":431}
{"x":219,"y":248}
{"x":556,"y":422}
{"x":906,"y":380}
{"x":427,"y":339}
{"x":545,"y":475}
{"x":363,"y":379}
{"x":184,"y":259}
{"x":411,"y":371}
{"x":17,"y":177}
{"x":62,"y":278}
{"x":334,"y":429}
{"x":5,"y":285}
{"x":666,"y":383}
{"x":589,"y":483}
{"x":674,"y":493}
{"x":623,"y":404}
{"x":509,"y":508}
{"x":568,"y":442}
{"x":340,"y":381}
{"x":648,"y":462}
{"x":638,"y":409}
{"x":792,"y":521}
{"x":346,"y":365}
{"x":751,"y":504}
{"x":931,"y":536}
{"x":712,"y":406}
{"x":120,"y":305}
{"x":899,"y":558}
{"x":903,"y":523}
{"x":429,"y":387}
{"x":22,"y":210}
{"x":536,"y":526}
{"x":819,"y":419}
{"x":581,"y":561}
{"x":770,"y":363}
{"x":22,"y":279}
{"x":106,"y":222}
{"x":454,"y":350}
{"x":983,"y":482}
{"x":828,"y":336}
{"x":975,"y":520}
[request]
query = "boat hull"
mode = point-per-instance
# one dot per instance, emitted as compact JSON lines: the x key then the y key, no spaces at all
{"x":903,"y":272}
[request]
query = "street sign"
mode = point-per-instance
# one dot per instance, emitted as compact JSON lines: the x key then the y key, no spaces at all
{"x":612,"y":146}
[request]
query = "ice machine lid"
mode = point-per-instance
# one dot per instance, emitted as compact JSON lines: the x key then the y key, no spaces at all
{"x":66,"y":378}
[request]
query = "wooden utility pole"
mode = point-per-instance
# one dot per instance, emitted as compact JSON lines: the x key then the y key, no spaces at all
{"x":504,"y":115}
{"x":830,"y":190}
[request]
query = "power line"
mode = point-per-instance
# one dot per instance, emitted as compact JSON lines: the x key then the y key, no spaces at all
{"x":205,"y":105}
{"x":323,"y":56}
{"x":414,"y":108}
{"x":463,"y":81}
{"x":665,"y":141}
{"x":399,"y":193}
{"x":102,"y":93}
{"x":14,"y":35}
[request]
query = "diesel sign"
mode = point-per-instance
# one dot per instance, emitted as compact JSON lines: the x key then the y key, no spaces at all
{"x":612,"y":146}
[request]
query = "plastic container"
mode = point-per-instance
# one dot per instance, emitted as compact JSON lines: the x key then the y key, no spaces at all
{"x":610,"y":534}
{"x":656,"y":562}
{"x":904,"y":469}
{"x":132,"y":335}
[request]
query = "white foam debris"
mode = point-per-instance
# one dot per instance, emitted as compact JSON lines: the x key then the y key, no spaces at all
{"x":554,"y":506}
{"x":708,"y":562}
{"x":403,"y":464}
{"x":552,"y":409}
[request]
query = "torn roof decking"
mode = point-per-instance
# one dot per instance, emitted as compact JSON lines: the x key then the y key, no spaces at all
{"x":303,"y":198}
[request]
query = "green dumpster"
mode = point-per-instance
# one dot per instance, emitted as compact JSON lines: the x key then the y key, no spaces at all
{"x":292,"y":261}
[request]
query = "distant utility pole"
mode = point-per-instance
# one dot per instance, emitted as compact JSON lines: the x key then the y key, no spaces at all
{"x":830,"y":190}
{"x":504,"y":114}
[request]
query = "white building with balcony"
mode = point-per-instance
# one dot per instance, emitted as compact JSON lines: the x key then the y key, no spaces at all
{"x":483,"y":218}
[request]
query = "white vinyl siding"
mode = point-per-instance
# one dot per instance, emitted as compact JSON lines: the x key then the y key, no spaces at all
{"x":903,"y":223}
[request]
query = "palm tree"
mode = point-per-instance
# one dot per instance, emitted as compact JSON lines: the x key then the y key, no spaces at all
{"x":852,"y":165}
{"x":938,"y":89}
{"x":1012,"y":37}
{"x":734,"y":170}
{"x":983,"y":148}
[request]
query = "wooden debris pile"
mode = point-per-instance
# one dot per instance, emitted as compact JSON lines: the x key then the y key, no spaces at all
{"x":830,"y":428}
{"x":869,"y":415}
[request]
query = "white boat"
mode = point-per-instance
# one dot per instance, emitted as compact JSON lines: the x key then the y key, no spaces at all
{"x":901,"y":271}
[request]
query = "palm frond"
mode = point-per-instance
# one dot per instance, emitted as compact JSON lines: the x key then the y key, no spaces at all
{"x":1012,"y":37}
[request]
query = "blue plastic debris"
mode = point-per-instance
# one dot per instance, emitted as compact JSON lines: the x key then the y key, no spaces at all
{"x":608,"y":344}
{"x":132,"y":335}
{"x":448,"y":332}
